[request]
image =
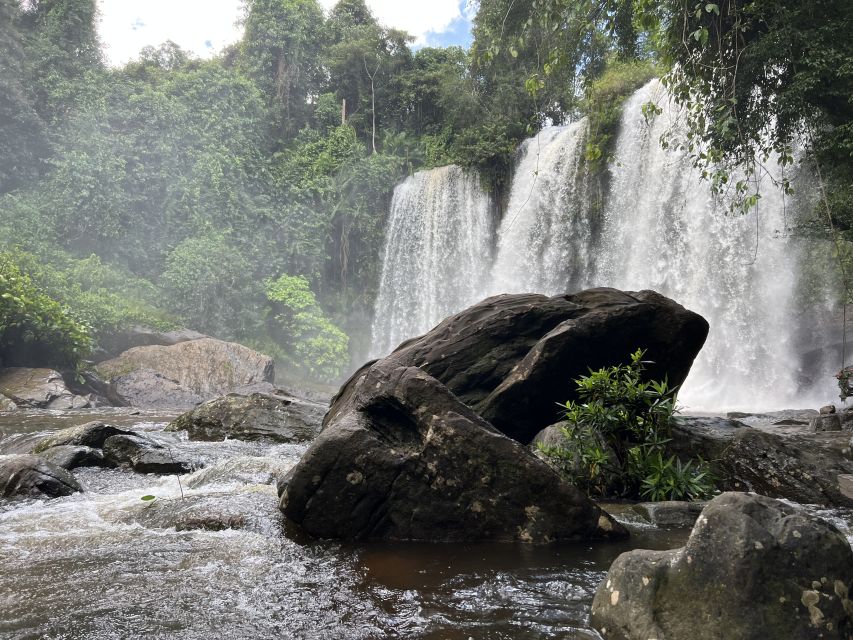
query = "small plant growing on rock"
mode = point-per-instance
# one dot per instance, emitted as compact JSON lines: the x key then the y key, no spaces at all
{"x":615,"y":439}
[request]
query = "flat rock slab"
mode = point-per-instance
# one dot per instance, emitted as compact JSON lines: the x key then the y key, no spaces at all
{"x":29,"y":476}
{"x":259,"y":416}
{"x":143,"y":455}
{"x":753,"y":568}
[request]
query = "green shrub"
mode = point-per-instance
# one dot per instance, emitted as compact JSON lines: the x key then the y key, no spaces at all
{"x":616,"y":436}
{"x":35,"y":329}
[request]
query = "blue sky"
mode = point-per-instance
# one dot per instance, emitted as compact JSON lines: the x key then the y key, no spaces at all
{"x":205,"y":26}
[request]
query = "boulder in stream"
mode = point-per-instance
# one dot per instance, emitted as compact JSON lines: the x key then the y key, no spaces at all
{"x":29,"y":476}
{"x":91,"y":434}
{"x":512,"y":358}
{"x":206,"y":367}
{"x":753,"y":568}
{"x":148,"y":389}
{"x":273,"y":417}
{"x":144,"y":455}
{"x":70,"y":457}
{"x":403,"y":459}
{"x":38,"y":389}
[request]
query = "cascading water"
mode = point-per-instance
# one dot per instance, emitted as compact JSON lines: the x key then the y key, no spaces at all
{"x":437,"y":253}
{"x":661,"y":228}
{"x":664,"y":230}
{"x":545,"y":231}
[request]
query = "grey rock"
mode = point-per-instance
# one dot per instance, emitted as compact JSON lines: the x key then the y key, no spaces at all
{"x":403,"y":459}
{"x":29,"y":476}
{"x":70,"y":457}
{"x":260,"y":416}
{"x":826,"y":410}
{"x":551,"y":436}
{"x":148,"y":389}
{"x":122,"y":341}
{"x":753,"y":568}
{"x":832,"y":422}
{"x":207,"y":367}
{"x":91,"y":434}
{"x":252,"y":510}
{"x":6,"y":404}
{"x":144,"y":455}
{"x":845,"y":485}
{"x":38,"y":389}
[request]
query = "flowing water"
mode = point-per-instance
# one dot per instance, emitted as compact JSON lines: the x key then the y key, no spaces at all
{"x":437,"y":252}
{"x":656,"y":226}
{"x":104,"y":564}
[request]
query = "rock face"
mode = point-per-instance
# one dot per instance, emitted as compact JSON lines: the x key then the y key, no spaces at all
{"x":796,"y":465}
{"x":511,"y":358}
{"x":260,"y":416}
{"x":148,"y":389}
{"x":207,"y":367}
{"x":28,"y":476}
{"x":38,"y":389}
{"x":753,"y":569}
{"x":117,"y":343}
{"x":403,"y":458}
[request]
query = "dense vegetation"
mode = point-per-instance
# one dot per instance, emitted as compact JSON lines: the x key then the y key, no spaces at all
{"x":231,"y":196}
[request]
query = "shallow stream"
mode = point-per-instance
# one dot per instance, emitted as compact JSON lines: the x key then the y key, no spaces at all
{"x":106,"y":564}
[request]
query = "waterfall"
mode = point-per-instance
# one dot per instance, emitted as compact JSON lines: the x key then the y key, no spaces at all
{"x":545,"y":233}
{"x":438,"y":249}
{"x":660,"y":228}
{"x":664,"y":230}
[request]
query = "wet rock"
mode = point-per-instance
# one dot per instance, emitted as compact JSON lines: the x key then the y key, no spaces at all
{"x":250,"y":510}
{"x":91,"y":434}
{"x":148,"y":389}
{"x":38,"y":389}
{"x":845,"y":485}
{"x":830,"y":408}
{"x":549,"y":437}
{"x":6,"y":404}
{"x":832,"y":422}
{"x":511,"y":358}
{"x":29,"y":476}
{"x":671,"y":514}
{"x":260,"y":416}
{"x":70,"y":457}
{"x":799,"y":466}
{"x":403,"y":459}
{"x":143,"y":455}
{"x":207,"y":367}
{"x":753,"y":568}
{"x":241,"y":470}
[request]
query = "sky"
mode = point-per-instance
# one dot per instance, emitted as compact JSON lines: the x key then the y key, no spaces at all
{"x":205,"y":26}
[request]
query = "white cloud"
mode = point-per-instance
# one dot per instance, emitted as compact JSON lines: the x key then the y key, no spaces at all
{"x":205,"y":26}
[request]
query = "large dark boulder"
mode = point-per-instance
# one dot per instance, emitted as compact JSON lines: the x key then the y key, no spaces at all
{"x":260,"y":416}
{"x":148,"y":389}
{"x":512,"y":358}
{"x":70,"y":457}
{"x":28,"y":476}
{"x":402,"y":458}
{"x":753,"y":568}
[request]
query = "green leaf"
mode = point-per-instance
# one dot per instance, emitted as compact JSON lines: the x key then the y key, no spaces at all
{"x":148,"y":498}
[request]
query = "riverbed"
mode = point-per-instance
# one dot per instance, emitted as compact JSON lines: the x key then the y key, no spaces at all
{"x":107,"y":564}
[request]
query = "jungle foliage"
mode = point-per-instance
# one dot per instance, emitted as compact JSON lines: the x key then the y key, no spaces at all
{"x":172,"y":190}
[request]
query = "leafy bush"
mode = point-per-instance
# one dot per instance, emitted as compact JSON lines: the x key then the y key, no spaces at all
{"x":616,"y":439}
{"x":35,"y":329}
{"x":314,"y":345}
